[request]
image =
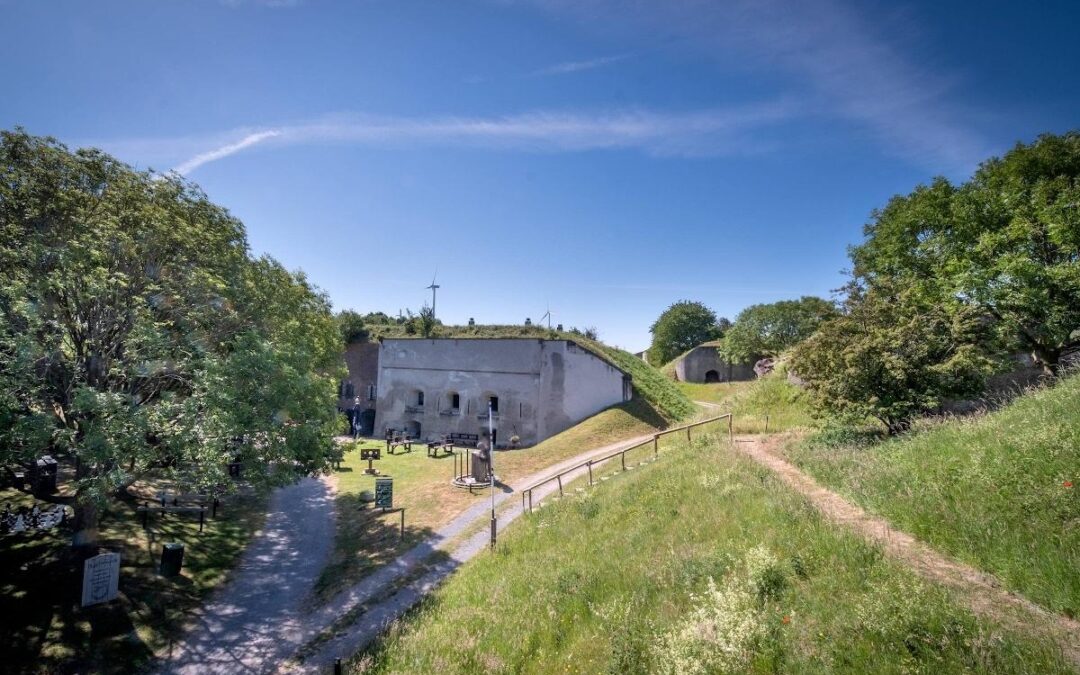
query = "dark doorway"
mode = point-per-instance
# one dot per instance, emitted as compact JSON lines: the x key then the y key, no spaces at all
{"x":367,"y":423}
{"x":712,"y":376}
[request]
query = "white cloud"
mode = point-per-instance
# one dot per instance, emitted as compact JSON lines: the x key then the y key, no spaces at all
{"x":716,"y":131}
{"x":568,"y":67}
{"x":856,"y":69}
{"x":226,"y":150}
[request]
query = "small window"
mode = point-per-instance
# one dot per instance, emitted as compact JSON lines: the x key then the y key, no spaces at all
{"x":455,"y":401}
{"x":371,"y":392}
{"x":494,"y":401}
{"x":350,"y":390}
{"x":420,"y":398}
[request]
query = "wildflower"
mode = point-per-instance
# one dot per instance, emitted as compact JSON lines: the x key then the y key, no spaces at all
{"x":786,"y":620}
{"x":1067,"y":483}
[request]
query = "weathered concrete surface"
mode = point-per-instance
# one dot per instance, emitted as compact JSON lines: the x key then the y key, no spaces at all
{"x":256,"y":620}
{"x":703,"y":364}
{"x":542,"y":386}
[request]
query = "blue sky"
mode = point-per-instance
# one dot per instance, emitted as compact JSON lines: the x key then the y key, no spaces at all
{"x":604,"y":158}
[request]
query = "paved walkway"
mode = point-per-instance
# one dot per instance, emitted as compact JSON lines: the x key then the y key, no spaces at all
{"x":252,"y":622}
{"x":259,"y":621}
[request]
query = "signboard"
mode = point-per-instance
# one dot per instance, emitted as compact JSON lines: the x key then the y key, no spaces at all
{"x":370,"y":453}
{"x":384,"y":493}
{"x":101,"y":578}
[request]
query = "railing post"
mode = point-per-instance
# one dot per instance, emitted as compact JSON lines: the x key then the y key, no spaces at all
{"x":590,"y":473}
{"x":687,"y":434}
{"x":530,"y":501}
{"x":622,"y":457}
{"x":560,"y":485}
{"x":656,"y":445}
{"x":730,"y":431}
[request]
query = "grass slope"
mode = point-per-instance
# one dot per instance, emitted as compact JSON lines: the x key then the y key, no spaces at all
{"x":991,"y":490}
{"x":702,"y":562}
{"x":786,"y":405}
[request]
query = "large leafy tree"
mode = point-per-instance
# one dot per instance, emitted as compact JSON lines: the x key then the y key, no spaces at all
{"x":682,"y":326}
{"x":138,"y":335}
{"x":769,"y":329}
{"x":1007,"y":243}
{"x":893,"y":356}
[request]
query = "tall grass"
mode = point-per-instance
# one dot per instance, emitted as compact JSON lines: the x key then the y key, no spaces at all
{"x":993,"y":490}
{"x":701,"y":562}
{"x":769,"y":404}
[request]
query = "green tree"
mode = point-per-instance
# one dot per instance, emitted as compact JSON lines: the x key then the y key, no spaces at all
{"x":351,"y":325}
{"x":769,"y":329}
{"x":138,"y":336}
{"x":892,"y":357}
{"x":683,"y":326}
{"x":1007,"y":242}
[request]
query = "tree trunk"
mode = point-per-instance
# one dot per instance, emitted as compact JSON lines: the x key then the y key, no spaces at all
{"x":1049,"y":358}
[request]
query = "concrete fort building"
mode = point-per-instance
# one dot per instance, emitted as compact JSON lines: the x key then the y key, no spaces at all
{"x":537,"y":388}
{"x":703,"y":364}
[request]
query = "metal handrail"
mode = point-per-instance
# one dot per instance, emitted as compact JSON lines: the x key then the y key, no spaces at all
{"x":655,"y":440}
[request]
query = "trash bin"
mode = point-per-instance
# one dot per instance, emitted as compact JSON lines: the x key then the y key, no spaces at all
{"x":172,"y":559}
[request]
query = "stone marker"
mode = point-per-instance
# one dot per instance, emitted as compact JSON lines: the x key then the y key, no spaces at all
{"x":101,"y":578}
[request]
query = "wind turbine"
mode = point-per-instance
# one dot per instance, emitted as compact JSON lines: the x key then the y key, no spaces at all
{"x":433,"y":288}
{"x":547,"y":315}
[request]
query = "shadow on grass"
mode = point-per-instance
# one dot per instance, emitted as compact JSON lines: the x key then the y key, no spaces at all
{"x":367,"y":538}
{"x":643,"y":411}
{"x":44,"y":628}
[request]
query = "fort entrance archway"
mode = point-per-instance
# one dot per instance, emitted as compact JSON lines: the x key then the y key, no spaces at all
{"x":712,"y":376}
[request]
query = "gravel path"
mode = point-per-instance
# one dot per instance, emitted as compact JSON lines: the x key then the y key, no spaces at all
{"x":253,"y":620}
{"x":259,"y":621}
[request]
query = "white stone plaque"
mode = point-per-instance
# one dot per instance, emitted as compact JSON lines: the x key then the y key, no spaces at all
{"x":101,"y":578}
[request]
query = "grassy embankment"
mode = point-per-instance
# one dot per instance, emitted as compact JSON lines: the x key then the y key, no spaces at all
{"x":702,"y":562}
{"x":1000,"y":491}
{"x":366,"y":540}
{"x":45,"y":630}
{"x":770,"y":403}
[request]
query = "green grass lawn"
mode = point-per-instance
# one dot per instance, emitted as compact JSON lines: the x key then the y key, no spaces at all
{"x":366,"y":540}
{"x":45,"y":630}
{"x":993,"y":490}
{"x":702,"y":562}
{"x":768,"y":404}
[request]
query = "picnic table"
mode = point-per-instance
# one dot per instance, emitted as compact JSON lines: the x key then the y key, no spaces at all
{"x":434,"y":447}
{"x":399,"y":442}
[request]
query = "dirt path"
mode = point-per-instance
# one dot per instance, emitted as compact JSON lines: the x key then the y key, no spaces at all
{"x":982,"y":592}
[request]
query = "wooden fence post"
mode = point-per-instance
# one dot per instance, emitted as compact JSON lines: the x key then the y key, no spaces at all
{"x":560,"y":485}
{"x":730,"y":431}
{"x":656,"y":445}
{"x":622,"y":457}
{"x":590,"y":472}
